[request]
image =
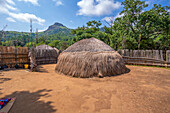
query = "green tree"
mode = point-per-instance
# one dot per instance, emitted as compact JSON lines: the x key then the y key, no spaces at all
{"x":139,"y":29}
{"x":89,"y":31}
{"x":132,"y":10}
{"x":55,"y":43}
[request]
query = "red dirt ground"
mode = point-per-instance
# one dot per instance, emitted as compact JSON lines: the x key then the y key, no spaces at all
{"x":142,"y":90}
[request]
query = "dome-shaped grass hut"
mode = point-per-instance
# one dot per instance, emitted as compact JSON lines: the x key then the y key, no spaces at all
{"x":46,"y":54}
{"x":88,"y":58}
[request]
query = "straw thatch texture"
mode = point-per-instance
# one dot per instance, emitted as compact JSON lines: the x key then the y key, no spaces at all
{"x":91,"y":45}
{"x":44,"y":47}
{"x":88,"y":58}
{"x":46,"y":54}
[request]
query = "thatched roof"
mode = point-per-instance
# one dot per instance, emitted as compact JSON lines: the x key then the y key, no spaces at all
{"x":44,"y":47}
{"x":88,"y":58}
{"x":92,"y":45}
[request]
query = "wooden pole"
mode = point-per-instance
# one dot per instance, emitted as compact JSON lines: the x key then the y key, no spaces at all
{"x":36,"y":37}
{"x":32,"y":56}
{"x":31,"y":31}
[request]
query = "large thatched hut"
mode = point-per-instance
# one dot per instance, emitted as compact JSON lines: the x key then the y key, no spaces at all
{"x":88,"y":58}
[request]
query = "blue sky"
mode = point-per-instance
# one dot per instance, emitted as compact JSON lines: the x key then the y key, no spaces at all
{"x":71,"y":13}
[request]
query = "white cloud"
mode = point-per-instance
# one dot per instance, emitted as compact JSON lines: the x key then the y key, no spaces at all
{"x":6,"y":6}
{"x":25,"y":17}
{"x":10,"y":19}
{"x":34,"y":2}
{"x":168,"y":10}
{"x":10,"y":2}
{"x":118,"y":15}
{"x":108,"y":19}
{"x":97,"y":7}
{"x":147,"y":2}
{"x":58,"y":2}
{"x":43,"y":29}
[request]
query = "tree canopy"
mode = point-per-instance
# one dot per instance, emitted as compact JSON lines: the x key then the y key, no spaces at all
{"x":136,"y":29}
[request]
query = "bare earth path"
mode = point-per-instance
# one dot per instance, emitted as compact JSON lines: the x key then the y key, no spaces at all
{"x":143,"y":90}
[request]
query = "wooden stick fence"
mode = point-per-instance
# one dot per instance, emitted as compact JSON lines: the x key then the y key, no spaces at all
{"x":146,"y":57}
{"x":11,"y":56}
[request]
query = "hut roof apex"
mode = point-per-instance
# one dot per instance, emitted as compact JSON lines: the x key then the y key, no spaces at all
{"x":91,"y":45}
{"x":44,"y":47}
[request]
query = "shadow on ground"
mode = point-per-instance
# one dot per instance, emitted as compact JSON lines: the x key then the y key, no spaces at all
{"x":0,"y":91}
{"x":1,"y":74}
{"x":2,"y":80}
{"x":41,"y":69}
{"x":127,"y":71}
{"x":29,"y":102}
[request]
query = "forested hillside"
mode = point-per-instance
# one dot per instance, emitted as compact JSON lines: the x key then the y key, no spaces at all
{"x":56,"y":35}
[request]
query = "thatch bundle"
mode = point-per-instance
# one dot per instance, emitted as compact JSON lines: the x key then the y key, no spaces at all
{"x":88,"y":58}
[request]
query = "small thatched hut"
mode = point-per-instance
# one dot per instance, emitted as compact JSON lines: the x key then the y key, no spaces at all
{"x":46,"y":54}
{"x":88,"y":58}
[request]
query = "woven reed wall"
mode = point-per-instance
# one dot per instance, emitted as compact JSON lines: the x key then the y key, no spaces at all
{"x":146,"y":57}
{"x":11,"y":56}
{"x":46,"y":56}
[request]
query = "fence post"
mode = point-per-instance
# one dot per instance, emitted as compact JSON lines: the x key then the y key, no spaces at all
{"x":15,"y":56}
{"x":167,"y":58}
{"x":131,"y":53}
{"x":32,"y":56}
{"x":123,"y":52}
{"x":1,"y":60}
{"x":161,"y":57}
